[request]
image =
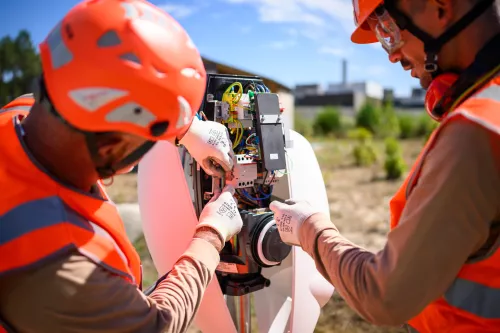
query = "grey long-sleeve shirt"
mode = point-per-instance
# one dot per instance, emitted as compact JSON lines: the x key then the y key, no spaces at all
{"x":72,"y":294}
{"x":447,"y":219}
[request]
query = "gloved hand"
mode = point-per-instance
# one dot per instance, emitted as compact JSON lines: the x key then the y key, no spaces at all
{"x":289,"y":217}
{"x":222,"y":215}
{"x":208,"y":142}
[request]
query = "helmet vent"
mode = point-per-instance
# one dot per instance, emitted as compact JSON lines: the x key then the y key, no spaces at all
{"x":159,"y":73}
{"x":131,"y":57}
{"x":190,"y":73}
{"x":108,"y":39}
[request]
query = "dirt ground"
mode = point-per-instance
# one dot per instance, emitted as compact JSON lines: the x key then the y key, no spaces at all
{"x":359,"y":199}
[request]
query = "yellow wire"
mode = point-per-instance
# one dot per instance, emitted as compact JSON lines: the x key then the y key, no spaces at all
{"x":232,"y":98}
{"x":239,"y":133}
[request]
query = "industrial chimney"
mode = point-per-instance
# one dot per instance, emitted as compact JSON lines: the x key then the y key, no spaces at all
{"x":344,"y":72}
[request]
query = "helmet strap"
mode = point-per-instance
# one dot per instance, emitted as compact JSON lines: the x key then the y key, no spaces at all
{"x":484,"y":67}
{"x":432,"y":46}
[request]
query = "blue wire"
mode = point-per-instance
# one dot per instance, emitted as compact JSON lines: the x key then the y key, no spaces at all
{"x":262,"y":88}
{"x":266,"y":195}
{"x":252,"y":198}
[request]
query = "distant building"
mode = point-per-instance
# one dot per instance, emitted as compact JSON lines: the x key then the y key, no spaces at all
{"x":368,"y":88}
{"x":310,"y":99}
{"x":414,"y":103}
{"x":302,"y":90}
{"x":348,"y":101}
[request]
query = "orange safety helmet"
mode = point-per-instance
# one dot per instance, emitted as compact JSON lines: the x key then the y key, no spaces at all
{"x":362,"y":10}
{"x":123,"y":66}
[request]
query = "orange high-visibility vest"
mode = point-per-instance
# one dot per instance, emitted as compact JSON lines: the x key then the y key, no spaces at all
{"x":41,"y":218}
{"x":472,"y":303}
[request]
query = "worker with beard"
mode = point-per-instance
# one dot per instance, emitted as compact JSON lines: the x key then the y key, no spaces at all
{"x":440,"y":268}
{"x":118,"y":76}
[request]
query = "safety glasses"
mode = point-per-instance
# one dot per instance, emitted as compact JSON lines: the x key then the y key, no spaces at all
{"x":385,"y":28}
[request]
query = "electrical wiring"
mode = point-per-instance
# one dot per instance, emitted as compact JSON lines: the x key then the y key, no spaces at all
{"x":239,"y":133}
{"x":243,"y":135}
{"x":202,"y":115}
{"x":244,"y":200}
{"x":253,"y":135}
{"x":232,"y":98}
{"x":246,"y":194}
{"x":249,"y":87}
{"x":247,"y":199}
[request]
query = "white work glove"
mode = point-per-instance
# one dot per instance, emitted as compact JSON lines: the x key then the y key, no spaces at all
{"x":208,"y":142}
{"x":289,"y":217}
{"x":222,"y":215}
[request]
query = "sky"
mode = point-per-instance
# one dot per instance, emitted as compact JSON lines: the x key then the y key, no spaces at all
{"x":290,"y":41}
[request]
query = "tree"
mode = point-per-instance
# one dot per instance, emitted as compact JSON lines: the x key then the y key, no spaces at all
{"x":19,"y":66}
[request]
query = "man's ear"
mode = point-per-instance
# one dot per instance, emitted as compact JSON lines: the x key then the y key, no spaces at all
{"x":110,"y":145}
{"x":444,"y":11}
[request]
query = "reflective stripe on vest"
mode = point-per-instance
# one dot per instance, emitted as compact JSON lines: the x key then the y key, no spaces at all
{"x":16,"y":108}
{"x":21,"y":103}
{"x":475,"y":298}
{"x":50,"y":216}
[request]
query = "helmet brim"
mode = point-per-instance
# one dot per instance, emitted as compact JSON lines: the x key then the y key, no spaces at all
{"x":363,"y":35}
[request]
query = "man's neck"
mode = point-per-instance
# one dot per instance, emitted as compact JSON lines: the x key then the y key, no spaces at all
{"x":474,"y":39}
{"x":64,"y":164}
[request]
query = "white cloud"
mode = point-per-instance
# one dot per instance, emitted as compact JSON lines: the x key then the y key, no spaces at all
{"x":179,"y":11}
{"x":326,"y":22}
{"x":314,"y":12}
{"x":335,"y":51}
{"x":281,"y":45}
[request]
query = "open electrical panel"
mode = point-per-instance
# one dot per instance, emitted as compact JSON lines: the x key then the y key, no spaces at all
{"x":253,"y":116}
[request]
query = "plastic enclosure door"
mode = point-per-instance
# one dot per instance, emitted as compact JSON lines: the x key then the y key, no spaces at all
{"x":293,"y":301}
{"x":169,"y":221}
{"x":297,"y":277}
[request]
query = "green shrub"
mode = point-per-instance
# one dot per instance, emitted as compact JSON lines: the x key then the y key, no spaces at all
{"x":392,"y":147}
{"x":328,"y":122}
{"x":426,"y":125}
{"x":369,"y":117}
{"x":389,"y":123}
{"x":364,"y":155}
{"x":360,"y":134}
{"x":363,"y":151}
{"x":394,"y":165}
{"x":348,"y":124}
{"x":302,"y":125}
{"x":408,"y":126}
